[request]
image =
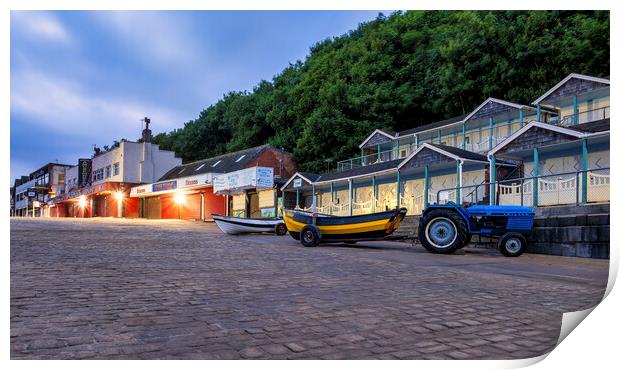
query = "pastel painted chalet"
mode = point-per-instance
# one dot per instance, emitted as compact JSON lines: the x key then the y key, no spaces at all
{"x":554,"y":151}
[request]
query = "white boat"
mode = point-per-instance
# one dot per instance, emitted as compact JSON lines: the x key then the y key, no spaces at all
{"x":239,"y":225}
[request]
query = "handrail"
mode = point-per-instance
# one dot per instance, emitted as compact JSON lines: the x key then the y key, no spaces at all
{"x":569,"y":120}
{"x":521,"y":182}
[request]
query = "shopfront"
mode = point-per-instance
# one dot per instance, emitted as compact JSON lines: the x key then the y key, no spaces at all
{"x":251,"y":192}
{"x":185,"y":198}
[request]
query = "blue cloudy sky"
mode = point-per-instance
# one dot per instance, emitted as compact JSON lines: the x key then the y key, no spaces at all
{"x":82,"y":78}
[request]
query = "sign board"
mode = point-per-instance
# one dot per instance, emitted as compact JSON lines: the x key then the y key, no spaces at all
{"x":297,"y":183}
{"x":181,"y":183}
{"x":31,"y":193}
{"x":166,"y":185}
{"x":238,"y":181}
{"x":84,"y":172}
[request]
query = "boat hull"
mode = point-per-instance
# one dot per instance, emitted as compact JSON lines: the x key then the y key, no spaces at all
{"x":353,"y":228}
{"x":237,"y":225}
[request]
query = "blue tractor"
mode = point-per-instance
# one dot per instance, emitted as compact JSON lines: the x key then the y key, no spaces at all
{"x":445,"y":228}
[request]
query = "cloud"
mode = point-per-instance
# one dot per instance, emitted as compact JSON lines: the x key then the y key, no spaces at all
{"x":160,"y":38}
{"x":40,"y":25}
{"x":65,"y":107}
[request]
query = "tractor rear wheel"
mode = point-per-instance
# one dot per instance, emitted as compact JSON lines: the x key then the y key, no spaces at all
{"x":443,"y":231}
{"x":512,"y":244}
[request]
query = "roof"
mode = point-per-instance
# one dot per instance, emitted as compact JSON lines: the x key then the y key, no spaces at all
{"x":498,"y":101}
{"x":385,"y":133}
{"x":359,"y":171}
{"x":570,"y":76}
{"x":433,"y":125}
{"x":591,"y":127}
{"x":461,"y":153}
{"x":311,"y":177}
{"x":49,"y":164}
{"x":547,"y":126}
{"x":221,"y":164}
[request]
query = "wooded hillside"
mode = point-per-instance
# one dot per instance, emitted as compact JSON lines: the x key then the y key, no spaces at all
{"x":398,"y":72}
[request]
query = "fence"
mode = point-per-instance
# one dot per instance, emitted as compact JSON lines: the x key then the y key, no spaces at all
{"x":555,"y":189}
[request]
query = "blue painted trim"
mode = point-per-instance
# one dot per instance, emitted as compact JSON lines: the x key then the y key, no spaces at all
{"x":535,"y":180}
{"x":492,"y":184}
{"x":575,"y":110}
{"x":584,"y":167}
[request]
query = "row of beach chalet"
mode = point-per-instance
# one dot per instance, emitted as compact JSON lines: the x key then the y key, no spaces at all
{"x":553,"y":151}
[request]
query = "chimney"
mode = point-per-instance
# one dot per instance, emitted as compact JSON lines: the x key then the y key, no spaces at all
{"x":146,"y":133}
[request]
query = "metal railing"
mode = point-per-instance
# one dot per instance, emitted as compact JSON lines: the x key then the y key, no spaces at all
{"x":585,"y":117}
{"x":367,"y":160}
{"x":555,"y":189}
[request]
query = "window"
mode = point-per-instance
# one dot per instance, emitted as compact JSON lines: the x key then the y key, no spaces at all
{"x":117,"y":169}
{"x":108,"y":171}
{"x":403,"y":153}
{"x":199,"y":167}
{"x":98,"y":175}
{"x":216,"y":163}
{"x":240,"y":158}
{"x":182,"y":170}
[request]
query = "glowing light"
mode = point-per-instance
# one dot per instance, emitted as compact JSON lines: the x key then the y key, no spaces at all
{"x":179,"y":198}
{"x":82,"y":201}
{"x":119,"y":196}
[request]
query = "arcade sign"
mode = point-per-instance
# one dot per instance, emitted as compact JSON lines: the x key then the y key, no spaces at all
{"x":84,"y":172}
{"x":166,"y":185}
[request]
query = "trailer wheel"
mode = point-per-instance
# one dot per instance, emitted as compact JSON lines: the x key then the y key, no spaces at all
{"x":512,"y":244}
{"x":310,"y":236}
{"x":281,"y":229}
{"x":443,"y":231}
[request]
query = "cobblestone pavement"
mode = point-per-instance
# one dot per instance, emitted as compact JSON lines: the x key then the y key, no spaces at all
{"x":176,"y":289}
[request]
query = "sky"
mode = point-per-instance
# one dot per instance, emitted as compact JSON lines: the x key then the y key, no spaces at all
{"x":80,"y":78}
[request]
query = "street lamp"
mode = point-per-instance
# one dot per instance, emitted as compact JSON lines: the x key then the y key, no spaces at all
{"x":82,"y":201}
{"x":119,"y":203}
{"x":179,"y":199}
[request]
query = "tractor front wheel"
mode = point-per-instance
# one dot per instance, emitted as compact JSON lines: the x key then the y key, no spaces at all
{"x":443,"y":231}
{"x":512,"y":244}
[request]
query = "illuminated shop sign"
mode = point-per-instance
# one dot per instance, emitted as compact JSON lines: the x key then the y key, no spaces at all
{"x":162,"y":186}
{"x":84,"y":172}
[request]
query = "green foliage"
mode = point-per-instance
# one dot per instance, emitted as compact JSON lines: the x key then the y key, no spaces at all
{"x":395,"y":73}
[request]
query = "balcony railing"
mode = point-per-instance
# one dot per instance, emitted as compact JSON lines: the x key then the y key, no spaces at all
{"x":366,"y":160}
{"x":585,"y":117}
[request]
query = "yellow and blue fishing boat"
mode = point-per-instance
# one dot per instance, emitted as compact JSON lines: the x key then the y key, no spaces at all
{"x":312,"y":228}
